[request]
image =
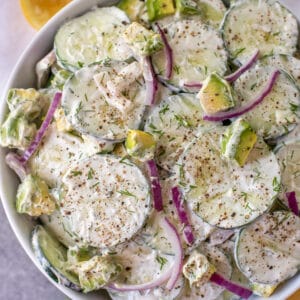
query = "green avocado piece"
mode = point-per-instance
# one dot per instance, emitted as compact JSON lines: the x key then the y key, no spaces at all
{"x":143,"y":41}
{"x":132,"y":8}
{"x":238,"y":141}
{"x":216,"y":95}
{"x":96,"y":272}
{"x":159,"y":8}
{"x":33,"y":197}
{"x":140,"y":144}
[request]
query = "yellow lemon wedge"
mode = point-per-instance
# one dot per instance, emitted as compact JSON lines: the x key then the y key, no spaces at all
{"x":38,"y":12}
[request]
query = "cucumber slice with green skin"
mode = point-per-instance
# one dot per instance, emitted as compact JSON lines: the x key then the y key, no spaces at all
{"x":53,"y":257}
{"x":224,"y":194}
{"x":91,"y":38}
{"x":288,"y":63}
{"x":276,"y":114}
{"x":259,"y":24}
{"x":198,"y":50}
{"x":174,"y":123}
{"x":62,"y":149}
{"x":88,"y":111}
{"x":268,"y":250}
{"x":104,"y":202}
{"x":136,"y":10}
{"x":209,"y":290}
{"x":288,"y":155}
{"x":210,"y":12}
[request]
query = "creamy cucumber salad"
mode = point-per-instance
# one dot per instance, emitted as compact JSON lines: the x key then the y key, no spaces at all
{"x":159,"y":152}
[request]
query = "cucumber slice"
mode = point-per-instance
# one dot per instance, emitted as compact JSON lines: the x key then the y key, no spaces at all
{"x":55,"y":225}
{"x":276,"y":115}
{"x":268,"y":250}
{"x":136,"y":10}
{"x":104,"y":202}
{"x":209,"y":290}
{"x":158,"y":293}
{"x":87,"y":108}
{"x":61,"y":149}
{"x":91,"y":38}
{"x":288,"y":63}
{"x":52,"y":256}
{"x":288,"y":155}
{"x":259,"y":24}
{"x":174,"y":123}
{"x":198,"y":50}
{"x":225,"y":194}
{"x":210,"y":12}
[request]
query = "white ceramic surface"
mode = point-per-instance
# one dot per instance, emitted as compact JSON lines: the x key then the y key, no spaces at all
{"x":23,"y":76}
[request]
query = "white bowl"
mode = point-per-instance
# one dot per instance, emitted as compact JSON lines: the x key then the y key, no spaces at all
{"x":23,"y":76}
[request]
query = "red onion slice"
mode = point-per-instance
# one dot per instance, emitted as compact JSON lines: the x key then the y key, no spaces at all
{"x":292,"y":201}
{"x":230,"y":286}
{"x":242,"y":110}
{"x":182,"y":214}
{"x":155,"y":185}
{"x":41,"y":132}
{"x":234,"y":76}
{"x":193,"y":85}
{"x":168,"y":53}
{"x":172,"y":273}
{"x":18,"y":163}
{"x":13,"y":160}
{"x":150,"y":80}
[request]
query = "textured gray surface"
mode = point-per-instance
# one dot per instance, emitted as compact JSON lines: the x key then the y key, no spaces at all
{"x":19,"y":278}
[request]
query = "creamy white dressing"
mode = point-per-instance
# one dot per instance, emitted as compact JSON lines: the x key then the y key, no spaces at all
{"x":104,"y":201}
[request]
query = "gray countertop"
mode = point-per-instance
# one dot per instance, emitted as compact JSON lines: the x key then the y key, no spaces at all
{"x":19,"y":278}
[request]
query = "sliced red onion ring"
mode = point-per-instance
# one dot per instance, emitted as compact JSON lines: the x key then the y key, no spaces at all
{"x":150,"y":80}
{"x":230,"y":286}
{"x":172,"y":273}
{"x":182,"y":214}
{"x":155,"y":185}
{"x":234,"y":76}
{"x":292,"y":201}
{"x":18,"y":163}
{"x":13,"y":160}
{"x":168,"y":53}
{"x":194,"y":85}
{"x":243,"y":109}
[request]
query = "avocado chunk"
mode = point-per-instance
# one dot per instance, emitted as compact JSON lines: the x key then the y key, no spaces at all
{"x":216,"y":95}
{"x":96,"y":272}
{"x":143,"y":41}
{"x":134,"y":9}
{"x":33,"y":197}
{"x":198,"y":269}
{"x":140,"y":144}
{"x":16,"y":132}
{"x":238,"y":141}
{"x":263,"y":290}
{"x":159,"y":8}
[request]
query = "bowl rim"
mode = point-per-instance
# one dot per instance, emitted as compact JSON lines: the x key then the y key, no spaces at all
{"x":70,"y":11}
